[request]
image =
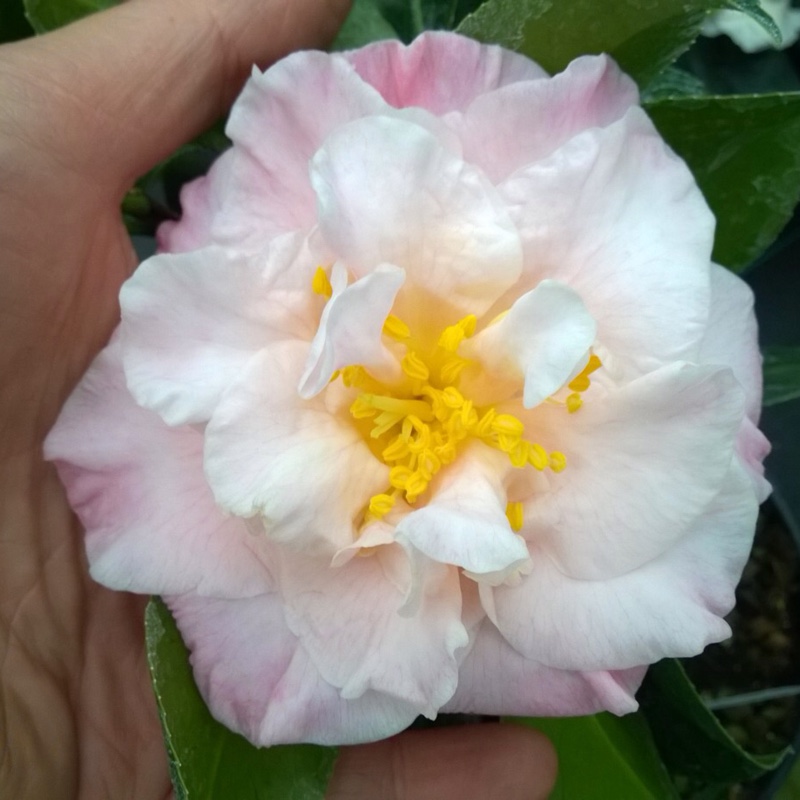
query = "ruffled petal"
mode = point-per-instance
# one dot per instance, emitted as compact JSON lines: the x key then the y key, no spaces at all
{"x":259,"y":681}
{"x":139,"y":490}
{"x":543,"y":340}
{"x":307,"y":472}
{"x":349,"y":621}
{"x":672,"y":606}
{"x":504,"y":130}
{"x":351,"y":326}
{"x":193,"y":230}
{"x":731,"y":337}
{"x":440,"y":72}
{"x":191,"y":322}
{"x":495,"y":679}
{"x":618,"y":217}
{"x":420,"y":208}
{"x":642,"y":464}
{"x":464,"y":523}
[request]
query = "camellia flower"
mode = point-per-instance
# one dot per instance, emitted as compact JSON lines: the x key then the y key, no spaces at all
{"x":432,"y":401}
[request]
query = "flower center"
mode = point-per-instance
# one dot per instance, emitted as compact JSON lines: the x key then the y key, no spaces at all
{"x":417,"y":425}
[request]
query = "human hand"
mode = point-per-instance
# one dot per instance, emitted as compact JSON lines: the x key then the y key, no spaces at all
{"x":83,"y":112}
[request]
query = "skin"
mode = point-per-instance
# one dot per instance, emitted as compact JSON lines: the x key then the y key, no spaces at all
{"x":83,"y":112}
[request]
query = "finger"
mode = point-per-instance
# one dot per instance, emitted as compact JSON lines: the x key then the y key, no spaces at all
{"x":470,"y":762}
{"x":118,"y":91}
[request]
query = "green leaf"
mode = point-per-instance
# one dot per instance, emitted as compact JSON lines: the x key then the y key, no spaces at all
{"x":744,"y":152}
{"x":644,"y":37}
{"x":364,"y":24}
{"x":603,"y":756}
{"x":690,"y":738}
{"x":207,"y":760}
{"x":781,"y":374}
{"x":673,"y":82}
{"x":47,"y":15}
{"x":13,"y":24}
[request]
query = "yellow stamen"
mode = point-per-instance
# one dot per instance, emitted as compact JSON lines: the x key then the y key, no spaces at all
{"x":453,"y":335}
{"x":558,"y":461}
{"x":415,"y":367}
{"x":395,"y":328}
{"x":514,"y":513}
{"x":574,"y":402}
{"x":580,"y":383}
{"x":380,"y":505}
{"x":538,"y":458}
{"x":320,"y":283}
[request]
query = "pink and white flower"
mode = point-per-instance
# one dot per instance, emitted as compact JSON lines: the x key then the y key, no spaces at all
{"x":432,"y":401}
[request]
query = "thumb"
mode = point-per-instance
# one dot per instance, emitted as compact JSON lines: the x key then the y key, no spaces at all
{"x":469,"y":762}
{"x":118,"y":91}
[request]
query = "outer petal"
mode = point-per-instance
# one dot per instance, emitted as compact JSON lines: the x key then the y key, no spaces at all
{"x":543,"y":340}
{"x":258,"y":680}
{"x":191,"y":322}
{"x":622,"y":499}
{"x":731,"y":337}
{"x":464,"y":523}
{"x":440,"y":72}
{"x":495,"y":679}
{"x":618,"y":217}
{"x":349,"y":622}
{"x":308,"y":473}
{"x":388,"y":192}
{"x":139,"y":490}
{"x":503,"y":130}
{"x":671,"y":606}
{"x":193,"y":230}
{"x":350,"y":328}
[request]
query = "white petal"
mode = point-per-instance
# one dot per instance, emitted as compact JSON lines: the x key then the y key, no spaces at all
{"x":190,"y":322}
{"x":543,"y":339}
{"x":349,"y":622}
{"x":259,"y":681}
{"x":619,"y":218}
{"x":465,"y":523}
{"x":388,"y":192}
{"x":671,"y":606}
{"x":308,"y":473}
{"x":350,"y":330}
{"x":642,"y":464}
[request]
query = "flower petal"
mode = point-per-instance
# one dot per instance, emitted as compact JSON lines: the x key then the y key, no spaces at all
{"x":503,"y":130}
{"x":351,"y":326}
{"x":465,"y":523}
{"x":438,"y":71}
{"x":543,"y":339}
{"x":642,"y":464}
{"x":672,"y":606}
{"x":421,"y":208}
{"x":348,"y":620}
{"x":495,"y":679}
{"x":259,"y":681}
{"x":139,"y":490}
{"x":308,"y":473}
{"x":191,"y":322}
{"x":618,"y":217}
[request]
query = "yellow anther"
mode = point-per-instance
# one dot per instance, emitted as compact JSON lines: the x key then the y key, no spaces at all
{"x":415,"y":367}
{"x":574,"y":402}
{"x":336,"y":373}
{"x":415,"y":486}
{"x":396,"y":450}
{"x":361,"y":409}
{"x":399,"y":405}
{"x":429,"y":463}
{"x":468,"y":325}
{"x":452,"y":398}
{"x":508,"y":425}
{"x":399,"y":475}
{"x":558,"y":461}
{"x":320,"y":283}
{"x":354,"y":376}
{"x":580,"y":383}
{"x":514,"y":513}
{"x":468,"y":415}
{"x":380,"y":504}
{"x":484,"y":426}
{"x":385,"y":421}
{"x":453,"y":335}
{"x":507,"y":442}
{"x":452,"y":368}
{"x":537,"y":456}
{"x":396,"y":328}
{"x":518,"y":455}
